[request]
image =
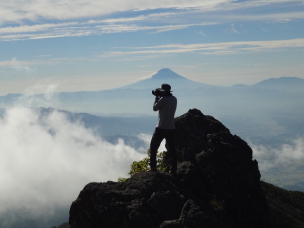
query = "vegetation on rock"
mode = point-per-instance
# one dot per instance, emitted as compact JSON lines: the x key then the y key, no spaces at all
{"x":143,"y":165}
{"x":286,"y":208}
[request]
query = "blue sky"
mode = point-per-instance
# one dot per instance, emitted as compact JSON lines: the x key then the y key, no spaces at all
{"x":81,"y":45}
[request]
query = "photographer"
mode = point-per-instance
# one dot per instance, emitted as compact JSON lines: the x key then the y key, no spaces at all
{"x":166,"y":104}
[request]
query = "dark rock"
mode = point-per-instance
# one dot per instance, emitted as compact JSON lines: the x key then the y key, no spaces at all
{"x":145,"y":200}
{"x":217,"y":185}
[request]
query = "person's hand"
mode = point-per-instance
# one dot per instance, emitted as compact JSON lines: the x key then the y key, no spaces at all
{"x":157,"y":98}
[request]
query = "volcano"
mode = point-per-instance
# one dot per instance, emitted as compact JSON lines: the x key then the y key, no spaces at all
{"x":168,"y":76}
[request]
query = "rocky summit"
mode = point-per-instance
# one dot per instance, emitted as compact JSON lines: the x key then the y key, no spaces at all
{"x":217,"y":185}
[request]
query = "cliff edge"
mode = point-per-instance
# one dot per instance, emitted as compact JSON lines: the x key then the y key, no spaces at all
{"x":217,"y":185}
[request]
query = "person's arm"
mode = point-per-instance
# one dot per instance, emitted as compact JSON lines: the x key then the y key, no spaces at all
{"x":157,"y":103}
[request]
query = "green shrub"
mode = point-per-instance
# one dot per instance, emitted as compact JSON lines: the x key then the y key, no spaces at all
{"x":143,"y":165}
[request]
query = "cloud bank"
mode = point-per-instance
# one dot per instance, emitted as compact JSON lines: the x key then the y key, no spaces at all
{"x":147,"y":139}
{"x":287,"y":154}
{"x":46,"y":160}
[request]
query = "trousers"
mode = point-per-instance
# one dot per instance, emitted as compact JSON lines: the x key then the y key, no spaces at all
{"x":158,"y":136}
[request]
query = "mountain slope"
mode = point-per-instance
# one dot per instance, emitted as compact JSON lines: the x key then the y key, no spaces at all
{"x":286,"y":208}
{"x":166,"y":75}
{"x":287,"y":84}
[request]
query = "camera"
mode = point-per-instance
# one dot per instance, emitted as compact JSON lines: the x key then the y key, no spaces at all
{"x":158,"y":92}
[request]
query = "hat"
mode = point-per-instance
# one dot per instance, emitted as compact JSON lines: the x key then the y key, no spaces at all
{"x":166,"y":87}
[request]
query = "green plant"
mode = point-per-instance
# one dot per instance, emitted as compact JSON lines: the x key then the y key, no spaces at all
{"x":143,"y":165}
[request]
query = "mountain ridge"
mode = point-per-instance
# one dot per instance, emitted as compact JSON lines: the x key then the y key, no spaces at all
{"x":281,"y":80}
{"x":168,"y":76}
{"x":284,"y":84}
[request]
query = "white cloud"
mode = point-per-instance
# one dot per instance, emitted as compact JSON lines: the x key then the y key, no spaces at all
{"x":212,"y":48}
{"x":84,"y":29}
{"x":90,"y":27}
{"x":73,"y":12}
{"x":147,"y":139}
{"x":287,"y":154}
{"x":275,"y":17}
{"x":46,"y":160}
{"x":19,"y":10}
{"x":147,"y":17}
{"x":233,"y":29}
{"x":14,"y":62}
{"x":201,"y":33}
{"x":27,"y":65}
{"x":177,"y":27}
{"x":18,"y":65}
{"x":34,"y":28}
{"x":39,"y":95}
{"x":238,"y":5}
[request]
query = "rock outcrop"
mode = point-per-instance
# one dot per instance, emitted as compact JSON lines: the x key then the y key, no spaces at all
{"x":217,"y":185}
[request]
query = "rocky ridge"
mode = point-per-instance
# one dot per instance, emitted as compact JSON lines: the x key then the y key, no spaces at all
{"x":217,"y":185}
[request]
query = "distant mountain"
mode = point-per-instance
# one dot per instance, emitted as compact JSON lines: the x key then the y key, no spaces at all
{"x":166,"y":75}
{"x":9,"y":98}
{"x":286,"y":84}
{"x":107,"y":126}
{"x":274,"y":104}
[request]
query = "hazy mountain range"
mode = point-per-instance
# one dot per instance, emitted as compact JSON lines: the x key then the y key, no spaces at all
{"x":268,"y":96}
{"x":267,"y":112}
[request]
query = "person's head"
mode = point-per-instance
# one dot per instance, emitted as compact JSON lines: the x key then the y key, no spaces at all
{"x":166,"y":88}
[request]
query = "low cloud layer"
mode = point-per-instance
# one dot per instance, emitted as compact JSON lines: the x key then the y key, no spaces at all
{"x":287,"y":154}
{"x":46,"y":160}
{"x":147,"y":139}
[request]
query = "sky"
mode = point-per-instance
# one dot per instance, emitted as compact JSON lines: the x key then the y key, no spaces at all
{"x":81,"y":45}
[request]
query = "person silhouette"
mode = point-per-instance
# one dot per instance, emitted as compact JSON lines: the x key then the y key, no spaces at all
{"x":165,"y":103}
